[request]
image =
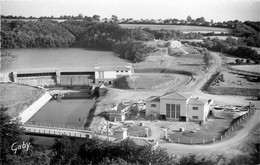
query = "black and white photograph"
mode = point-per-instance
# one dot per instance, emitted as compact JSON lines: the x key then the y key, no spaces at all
{"x":130,"y":82}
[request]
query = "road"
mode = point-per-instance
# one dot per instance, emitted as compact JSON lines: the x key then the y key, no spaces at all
{"x":227,"y":147}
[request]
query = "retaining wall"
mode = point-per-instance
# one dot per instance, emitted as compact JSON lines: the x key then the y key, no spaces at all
{"x":227,"y":115}
{"x":32,"y":109}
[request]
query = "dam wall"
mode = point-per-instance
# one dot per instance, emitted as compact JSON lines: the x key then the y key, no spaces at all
{"x":54,"y":77}
{"x":34,"y":108}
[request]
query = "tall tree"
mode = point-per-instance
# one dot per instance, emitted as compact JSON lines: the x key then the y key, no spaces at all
{"x":189,"y":18}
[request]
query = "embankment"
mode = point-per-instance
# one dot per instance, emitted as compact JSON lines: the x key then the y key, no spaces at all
{"x":32,"y":109}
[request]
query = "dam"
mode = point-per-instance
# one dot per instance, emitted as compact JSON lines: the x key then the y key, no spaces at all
{"x":101,"y":73}
{"x":51,"y":77}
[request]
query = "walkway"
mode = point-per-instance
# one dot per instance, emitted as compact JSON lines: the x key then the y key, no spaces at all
{"x":55,"y":131}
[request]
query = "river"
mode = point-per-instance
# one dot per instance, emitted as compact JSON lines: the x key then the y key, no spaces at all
{"x":57,"y":58}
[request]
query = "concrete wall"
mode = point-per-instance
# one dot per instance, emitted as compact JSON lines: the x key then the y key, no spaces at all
{"x":32,"y":109}
{"x":150,"y":109}
{"x":40,"y":80}
{"x":75,"y":80}
{"x":227,"y":114}
{"x":4,"y":77}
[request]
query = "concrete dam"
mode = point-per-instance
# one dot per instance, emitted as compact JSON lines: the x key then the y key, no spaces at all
{"x":54,"y":77}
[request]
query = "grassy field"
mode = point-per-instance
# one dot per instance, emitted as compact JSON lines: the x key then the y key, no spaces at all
{"x":17,"y":97}
{"x":144,"y":81}
{"x":182,"y":28}
{"x":220,"y":37}
{"x":248,"y":68}
{"x":231,"y":79}
{"x":213,"y":128}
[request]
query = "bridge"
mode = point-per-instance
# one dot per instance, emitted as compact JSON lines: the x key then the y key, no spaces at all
{"x":56,"y":131}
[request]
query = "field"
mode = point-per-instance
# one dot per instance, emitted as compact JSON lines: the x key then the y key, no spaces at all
{"x":235,"y":83}
{"x":17,"y":97}
{"x":181,"y":28}
{"x":146,"y":81}
{"x":213,"y":128}
{"x":220,"y":37}
{"x":232,"y":79}
{"x":247,"y":68}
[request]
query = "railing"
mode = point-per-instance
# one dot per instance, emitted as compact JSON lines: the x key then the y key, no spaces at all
{"x":73,"y":132}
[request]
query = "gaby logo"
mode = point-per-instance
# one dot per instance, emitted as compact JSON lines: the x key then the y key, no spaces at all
{"x":15,"y":146}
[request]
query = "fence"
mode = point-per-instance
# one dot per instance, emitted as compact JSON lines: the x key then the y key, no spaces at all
{"x":53,"y":126}
{"x":226,"y":133}
{"x":57,"y":131}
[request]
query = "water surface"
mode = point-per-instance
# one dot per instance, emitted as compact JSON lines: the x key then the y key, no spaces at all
{"x":57,"y":58}
{"x":68,"y":112}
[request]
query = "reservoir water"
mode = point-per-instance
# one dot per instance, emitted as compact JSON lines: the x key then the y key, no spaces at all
{"x":67,"y":112}
{"x":57,"y":58}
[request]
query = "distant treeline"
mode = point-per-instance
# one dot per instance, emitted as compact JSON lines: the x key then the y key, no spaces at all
{"x":102,"y":35}
{"x":229,"y":46}
{"x":87,"y":34}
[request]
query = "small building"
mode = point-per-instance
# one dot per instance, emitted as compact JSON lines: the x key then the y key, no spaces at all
{"x":118,"y":113}
{"x":121,"y":133}
{"x":178,"y":106}
{"x":107,"y":72}
{"x":174,"y":44}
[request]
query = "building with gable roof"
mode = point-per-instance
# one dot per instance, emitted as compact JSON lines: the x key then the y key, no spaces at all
{"x":178,"y":106}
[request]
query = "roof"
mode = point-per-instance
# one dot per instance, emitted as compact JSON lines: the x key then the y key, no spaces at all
{"x":102,"y":64}
{"x":153,"y":99}
{"x":112,"y":68}
{"x":121,"y":129}
{"x":53,"y":70}
{"x":196,"y":101}
{"x":176,"y":95}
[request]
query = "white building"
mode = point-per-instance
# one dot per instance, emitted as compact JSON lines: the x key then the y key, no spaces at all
{"x":177,"y":106}
{"x":174,"y":44}
{"x":107,"y":72}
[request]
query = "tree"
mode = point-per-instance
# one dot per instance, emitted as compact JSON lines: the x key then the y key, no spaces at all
{"x":80,"y":16}
{"x":64,"y":151}
{"x":10,"y":132}
{"x":96,"y":17}
{"x":114,"y":19}
{"x":207,"y":58}
{"x":194,"y":160}
{"x":189,"y":19}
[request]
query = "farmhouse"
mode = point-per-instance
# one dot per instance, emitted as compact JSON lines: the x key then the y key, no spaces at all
{"x":107,"y":72}
{"x":177,"y":106}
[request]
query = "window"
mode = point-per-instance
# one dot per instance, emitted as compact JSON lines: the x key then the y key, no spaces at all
{"x":173,"y":111}
{"x":117,"y":71}
{"x":168,"y":110}
{"x":195,"y":108}
{"x":153,"y":105}
{"x":126,"y":71}
{"x":195,"y":117}
{"x":122,"y":71}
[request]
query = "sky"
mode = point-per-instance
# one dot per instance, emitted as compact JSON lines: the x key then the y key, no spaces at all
{"x":218,"y":10}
